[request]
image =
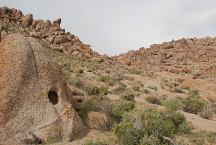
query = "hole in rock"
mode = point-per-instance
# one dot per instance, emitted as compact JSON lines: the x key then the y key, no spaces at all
{"x":53,"y":97}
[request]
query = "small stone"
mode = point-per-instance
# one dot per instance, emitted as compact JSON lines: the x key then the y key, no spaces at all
{"x":35,"y":34}
{"x":60,"y":39}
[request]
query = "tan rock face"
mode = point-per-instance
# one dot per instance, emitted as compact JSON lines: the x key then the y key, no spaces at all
{"x":35,"y":99}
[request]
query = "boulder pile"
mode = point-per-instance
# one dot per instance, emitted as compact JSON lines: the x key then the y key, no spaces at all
{"x":180,"y":53}
{"x":48,"y":31}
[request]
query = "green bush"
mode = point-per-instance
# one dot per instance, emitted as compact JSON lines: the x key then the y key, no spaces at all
{"x":127,"y":133}
{"x":149,"y":127}
{"x":172,"y":104}
{"x":86,"y":107}
{"x":91,"y":142}
{"x":128,"y":96}
{"x":179,"y":120}
{"x":153,"y":100}
{"x":121,"y":108}
{"x":96,"y":91}
{"x":101,"y":104}
{"x":136,"y":88}
{"x":207,"y":112}
{"x":193,"y":103}
{"x":184,"y":128}
{"x":135,"y":71}
{"x":108,"y":80}
{"x":120,"y":89}
{"x":149,"y":140}
{"x":98,"y":104}
{"x":157,"y":124}
{"x":67,"y":75}
{"x":77,"y":82}
{"x":80,"y":71}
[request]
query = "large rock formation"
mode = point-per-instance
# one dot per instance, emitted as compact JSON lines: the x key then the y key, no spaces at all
{"x":35,"y":100}
{"x":179,"y":54}
{"x":52,"y":33}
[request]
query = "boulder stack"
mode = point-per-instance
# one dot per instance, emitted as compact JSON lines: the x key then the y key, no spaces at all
{"x":181,"y":53}
{"x":52,"y":33}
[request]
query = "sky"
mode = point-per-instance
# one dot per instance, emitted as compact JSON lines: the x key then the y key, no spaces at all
{"x":117,"y":26}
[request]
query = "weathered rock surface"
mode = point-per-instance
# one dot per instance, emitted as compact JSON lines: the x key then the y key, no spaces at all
{"x":47,"y":31}
{"x":35,"y":104}
{"x":174,"y":56}
{"x":27,"y":20}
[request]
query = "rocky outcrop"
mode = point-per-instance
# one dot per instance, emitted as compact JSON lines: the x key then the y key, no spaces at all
{"x":36,"y":102}
{"x":52,"y":33}
{"x":179,"y":54}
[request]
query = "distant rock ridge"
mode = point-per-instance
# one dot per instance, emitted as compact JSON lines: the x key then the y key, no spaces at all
{"x":182,"y":52}
{"x":49,"y":31}
{"x":177,"y":53}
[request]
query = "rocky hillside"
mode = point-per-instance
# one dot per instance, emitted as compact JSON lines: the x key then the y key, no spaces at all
{"x":55,"y":90}
{"x":183,"y":53}
{"x":50,"y":32}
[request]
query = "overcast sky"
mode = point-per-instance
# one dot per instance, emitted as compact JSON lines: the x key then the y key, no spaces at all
{"x":116,"y":26}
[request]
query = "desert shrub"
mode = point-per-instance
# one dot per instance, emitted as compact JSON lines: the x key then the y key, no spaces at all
{"x":172,"y":104}
{"x":153,"y":87}
{"x":65,"y":66}
{"x":104,"y":105}
{"x":96,"y":91}
{"x":67,"y":75}
{"x":108,"y":80}
{"x":101,"y":104}
{"x":86,"y":108}
{"x":149,"y":140}
{"x":92,"y":142}
{"x":211,"y":137}
{"x":153,"y":100}
{"x":121,"y":108}
{"x":127,"y":133}
{"x":80,"y":71}
{"x":103,"y":90}
{"x":129,"y":96}
{"x":77,"y":82}
{"x":120,"y":89}
{"x":179,"y":90}
{"x":163,"y":97}
{"x":179,"y":120}
{"x":107,"y":71}
{"x":136,"y":88}
{"x":135,"y":71}
{"x":157,"y":124}
{"x":130,"y":78}
{"x":203,"y":137}
{"x":184,"y":128}
{"x":207,"y":112}
{"x":146,"y":91}
{"x":149,"y":127}
{"x":193,"y":103}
